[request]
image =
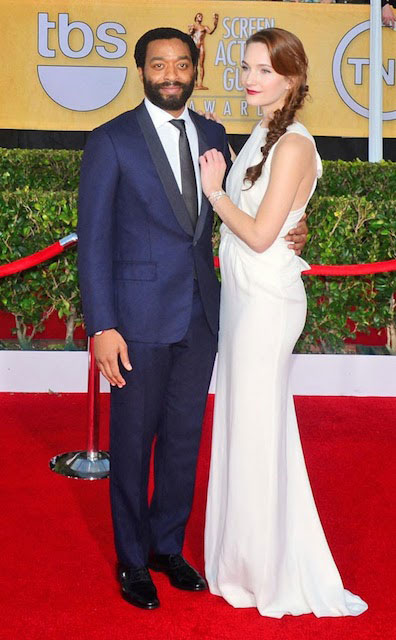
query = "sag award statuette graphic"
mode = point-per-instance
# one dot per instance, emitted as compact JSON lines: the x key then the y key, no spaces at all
{"x":198,"y":33}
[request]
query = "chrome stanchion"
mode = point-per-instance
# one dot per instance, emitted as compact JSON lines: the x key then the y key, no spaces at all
{"x":91,"y":464}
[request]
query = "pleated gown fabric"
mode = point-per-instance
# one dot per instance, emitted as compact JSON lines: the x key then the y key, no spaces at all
{"x":264,"y":543}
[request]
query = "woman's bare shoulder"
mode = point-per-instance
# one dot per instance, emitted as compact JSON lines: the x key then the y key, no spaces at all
{"x":294,"y":146}
{"x":292,"y":140}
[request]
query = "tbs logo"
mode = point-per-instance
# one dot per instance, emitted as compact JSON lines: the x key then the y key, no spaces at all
{"x":78,"y":87}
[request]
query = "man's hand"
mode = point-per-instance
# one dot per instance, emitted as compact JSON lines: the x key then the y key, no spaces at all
{"x":297,"y":237}
{"x":108,"y":347}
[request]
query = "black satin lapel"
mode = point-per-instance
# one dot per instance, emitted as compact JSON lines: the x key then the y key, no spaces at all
{"x":205,"y":208}
{"x":202,"y":146}
{"x":164,"y":170}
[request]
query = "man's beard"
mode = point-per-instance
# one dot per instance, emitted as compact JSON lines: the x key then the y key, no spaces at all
{"x":168,"y":103}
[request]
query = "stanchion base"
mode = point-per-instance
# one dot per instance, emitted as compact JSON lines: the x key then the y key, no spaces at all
{"x":82,"y":464}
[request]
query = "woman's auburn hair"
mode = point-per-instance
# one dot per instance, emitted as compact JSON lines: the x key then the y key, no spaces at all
{"x":289,"y":59}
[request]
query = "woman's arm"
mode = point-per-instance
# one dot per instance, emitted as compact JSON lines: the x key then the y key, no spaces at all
{"x":293,"y":162}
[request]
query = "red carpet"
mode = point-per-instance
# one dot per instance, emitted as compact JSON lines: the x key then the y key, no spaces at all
{"x":57,"y":554}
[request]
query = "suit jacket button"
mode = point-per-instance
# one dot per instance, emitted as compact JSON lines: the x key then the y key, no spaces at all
{"x":195,"y":243}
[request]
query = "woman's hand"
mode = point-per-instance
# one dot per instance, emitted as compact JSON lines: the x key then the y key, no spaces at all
{"x":213,"y":168}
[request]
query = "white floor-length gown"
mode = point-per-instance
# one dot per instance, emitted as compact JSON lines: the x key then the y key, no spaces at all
{"x":264,"y":543}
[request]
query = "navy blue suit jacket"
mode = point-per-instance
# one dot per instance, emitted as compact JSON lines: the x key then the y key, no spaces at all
{"x":137,"y":249}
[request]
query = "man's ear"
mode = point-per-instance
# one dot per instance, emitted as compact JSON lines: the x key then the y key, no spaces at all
{"x":140,"y":72}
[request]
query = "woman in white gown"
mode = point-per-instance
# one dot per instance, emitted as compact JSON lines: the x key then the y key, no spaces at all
{"x":264,"y":543}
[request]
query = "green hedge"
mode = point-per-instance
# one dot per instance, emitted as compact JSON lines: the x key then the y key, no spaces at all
{"x":351,"y":220}
{"x":31,"y":220}
{"x":45,"y":169}
{"x":58,"y":170}
{"x":348,"y":230}
{"x":374,"y":181}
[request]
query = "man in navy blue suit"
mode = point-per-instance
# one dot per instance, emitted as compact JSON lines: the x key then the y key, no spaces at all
{"x":151,"y":297}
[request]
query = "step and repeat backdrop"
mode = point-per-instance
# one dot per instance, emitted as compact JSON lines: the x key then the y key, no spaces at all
{"x":68,"y":65}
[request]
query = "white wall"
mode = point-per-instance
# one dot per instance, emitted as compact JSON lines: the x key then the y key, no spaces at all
{"x":315,"y":375}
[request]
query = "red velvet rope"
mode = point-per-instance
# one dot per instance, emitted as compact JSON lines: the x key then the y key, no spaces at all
{"x":38,"y":257}
{"x":343,"y":269}
{"x":350,"y":269}
{"x":315,"y":270}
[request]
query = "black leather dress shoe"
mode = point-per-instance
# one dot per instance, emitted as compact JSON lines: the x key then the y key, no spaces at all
{"x":181,"y":574}
{"x":137,"y":587}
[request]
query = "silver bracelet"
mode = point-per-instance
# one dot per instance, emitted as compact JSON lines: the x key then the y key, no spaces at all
{"x":215,"y":196}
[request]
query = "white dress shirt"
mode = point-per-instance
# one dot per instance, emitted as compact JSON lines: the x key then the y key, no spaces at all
{"x":169,"y":136}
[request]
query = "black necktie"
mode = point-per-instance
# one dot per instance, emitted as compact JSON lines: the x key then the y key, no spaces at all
{"x":189,"y":184}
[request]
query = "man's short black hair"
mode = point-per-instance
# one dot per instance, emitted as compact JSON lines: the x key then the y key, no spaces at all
{"x":163,"y":33}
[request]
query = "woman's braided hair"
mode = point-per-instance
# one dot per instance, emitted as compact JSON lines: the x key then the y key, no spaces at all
{"x":288,"y":58}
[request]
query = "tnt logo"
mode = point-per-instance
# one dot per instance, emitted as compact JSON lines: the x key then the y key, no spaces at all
{"x":79,"y":87}
{"x":351,"y":70}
